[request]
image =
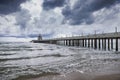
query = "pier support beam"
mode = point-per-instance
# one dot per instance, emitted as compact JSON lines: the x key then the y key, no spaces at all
{"x":116,"y":44}
{"x":95,"y":43}
{"x":83,"y":43}
{"x":73,"y":42}
{"x":112,"y":44}
{"x":104,"y":44}
{"x":91,"y":43}
{"x":78,"y":42}
{"x":69,"y":42}
{"x":108,"y":44}
{"x":66,"y":42}
{"x":88,"y":43}
{"x":99,"y":42}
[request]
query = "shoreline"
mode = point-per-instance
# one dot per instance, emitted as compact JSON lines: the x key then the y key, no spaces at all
{"x":80,"y":76}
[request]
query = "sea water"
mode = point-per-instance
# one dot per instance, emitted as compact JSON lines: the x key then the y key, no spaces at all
{"x":24,"y":60}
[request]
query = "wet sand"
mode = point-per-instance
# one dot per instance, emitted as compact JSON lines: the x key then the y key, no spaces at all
{"x":80,"y":76}
{"x":108,"y":77}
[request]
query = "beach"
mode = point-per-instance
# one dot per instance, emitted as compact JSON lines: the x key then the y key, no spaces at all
{"x":36,"y":61}
{"x":79,"y":76}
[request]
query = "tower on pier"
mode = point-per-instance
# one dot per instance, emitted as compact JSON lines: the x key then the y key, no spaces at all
{"x":39,"y":37}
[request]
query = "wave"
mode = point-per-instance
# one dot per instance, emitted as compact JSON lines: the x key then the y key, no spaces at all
{"x":10,"y":49}
{"x":54,"y":55}
{"x":5,"y":54}
{"x":23,"y":49}
{"x":4,"y":69}
{"x":30,"y":76}
{"x":15,"y":46}
{"x":31,"y":57}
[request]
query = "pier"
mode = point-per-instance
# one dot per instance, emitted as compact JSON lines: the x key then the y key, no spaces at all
{"x":104,"y":41}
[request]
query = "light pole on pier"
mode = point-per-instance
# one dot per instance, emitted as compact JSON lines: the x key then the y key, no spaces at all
{"x":116,"y":29}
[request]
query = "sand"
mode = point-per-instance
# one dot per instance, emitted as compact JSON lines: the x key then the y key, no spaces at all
{"x":79,"y":76}
{"x":108,"y":77}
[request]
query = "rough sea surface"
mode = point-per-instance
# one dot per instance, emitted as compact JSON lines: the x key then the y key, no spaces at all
{"x":26,"y":60}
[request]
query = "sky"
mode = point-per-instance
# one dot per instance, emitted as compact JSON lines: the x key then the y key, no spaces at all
{"x":23,"y":20}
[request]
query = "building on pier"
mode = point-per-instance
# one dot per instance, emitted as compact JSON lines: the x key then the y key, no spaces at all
{"x":39,"y":37}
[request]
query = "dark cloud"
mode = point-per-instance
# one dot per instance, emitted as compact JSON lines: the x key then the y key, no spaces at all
{"x":51,"y":4}
{"x":82,"y":10}
{"x":9,"y":6}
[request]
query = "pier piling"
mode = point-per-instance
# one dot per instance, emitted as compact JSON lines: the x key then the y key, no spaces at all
{"x":99,"y":44}
{"x":88,"y":43}
{"x":104,"y":44}
{"x":116,"y":44}
{"x":108,"y":44}
{"x":111,"y":44}
{"x":91,"y":43}
{"x":83,"y":43}
{"x":95,"y":43}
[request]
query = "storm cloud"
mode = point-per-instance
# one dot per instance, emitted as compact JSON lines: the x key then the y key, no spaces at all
{"x":82,"y":10}
{"x":10,"y":6}
{"x":57,"y":18}
{"x":51,"y":4}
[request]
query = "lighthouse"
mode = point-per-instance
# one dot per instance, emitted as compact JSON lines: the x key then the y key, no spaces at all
{"x":39,"y":37}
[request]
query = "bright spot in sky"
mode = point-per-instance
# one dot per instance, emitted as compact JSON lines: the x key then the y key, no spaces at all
{"x":13,"y":39}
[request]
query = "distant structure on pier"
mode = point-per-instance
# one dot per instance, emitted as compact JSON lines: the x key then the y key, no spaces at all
{"x":39,"y":37}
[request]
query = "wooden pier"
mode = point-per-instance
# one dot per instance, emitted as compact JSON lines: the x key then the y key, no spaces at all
{"x":104,"y":41}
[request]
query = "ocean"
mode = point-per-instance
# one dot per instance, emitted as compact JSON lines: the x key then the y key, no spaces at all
{"x":20,"y":61}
